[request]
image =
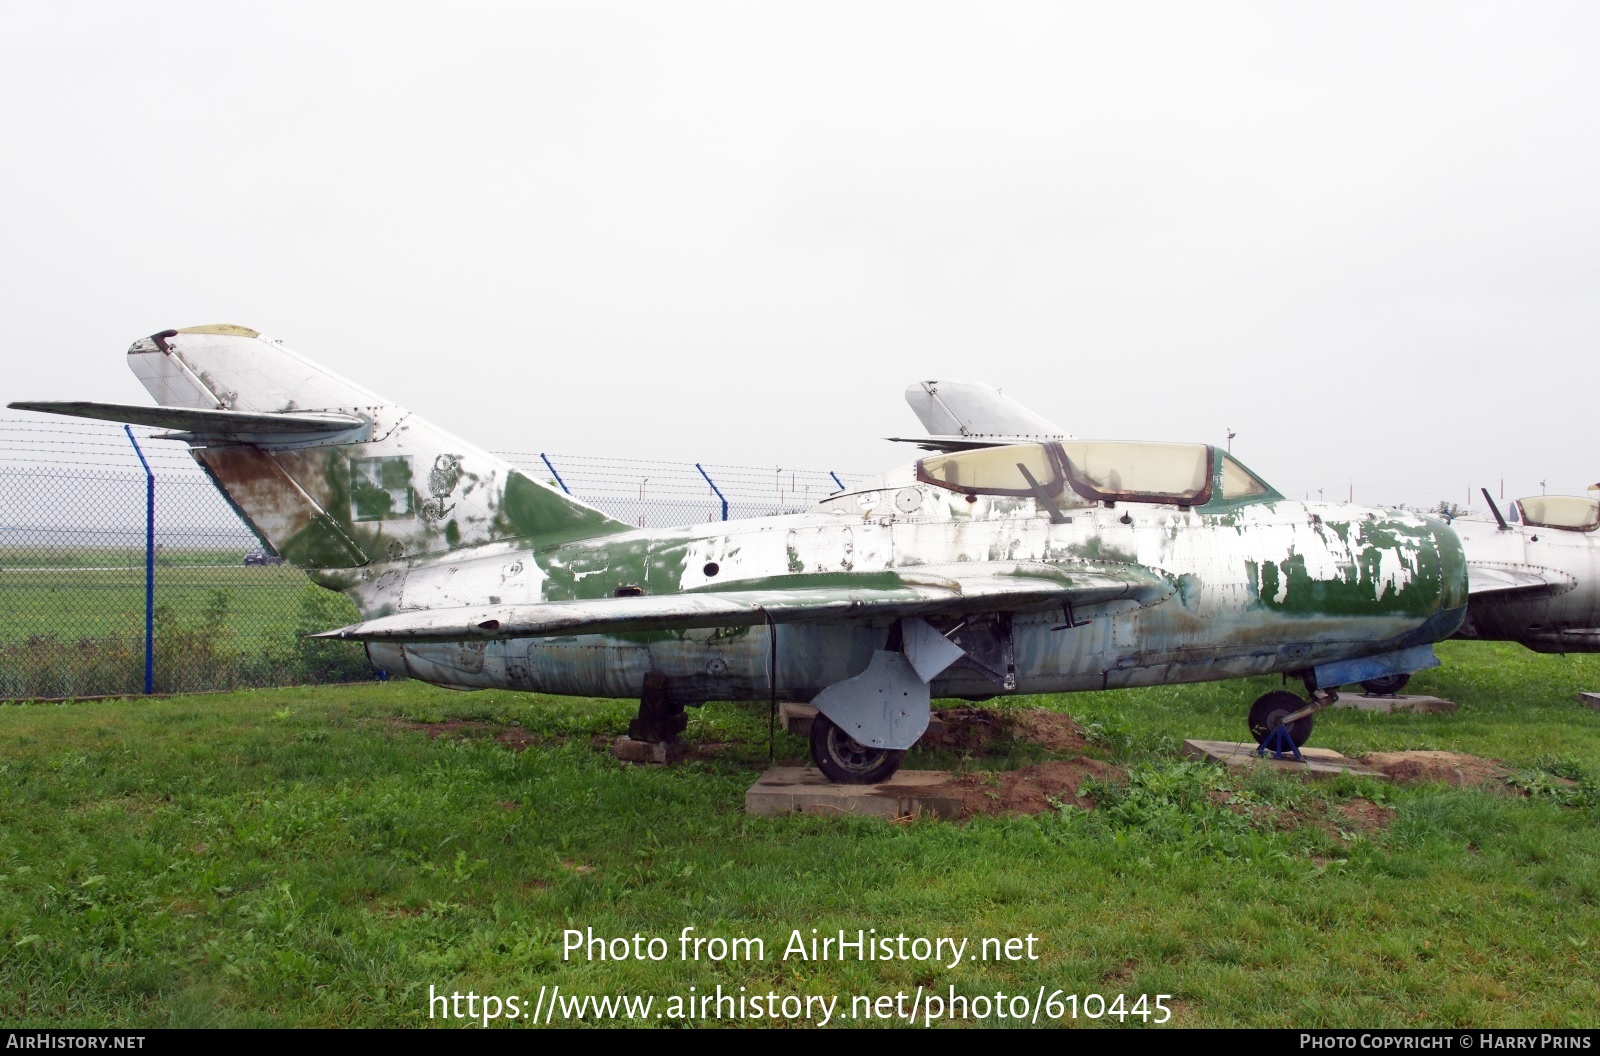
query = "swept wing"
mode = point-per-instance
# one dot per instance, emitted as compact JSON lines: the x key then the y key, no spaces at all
{"x":979,"y":588}
{"x":1516,"y":581}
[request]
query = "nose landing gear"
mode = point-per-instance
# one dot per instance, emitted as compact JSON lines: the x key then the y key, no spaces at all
{"x":1281,"y":722}
{"x":1269,"y":712}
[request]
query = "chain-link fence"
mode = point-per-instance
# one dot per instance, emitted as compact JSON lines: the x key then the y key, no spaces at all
{"x":660,"y":494}
{"x":77,"y":553}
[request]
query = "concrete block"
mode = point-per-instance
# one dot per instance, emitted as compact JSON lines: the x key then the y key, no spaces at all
{"x":1318,"y":761}
{"x":796,"y":717}
{"x":1418,"y":705}
{"x":788,"y":789}
{"x":631,"y":751}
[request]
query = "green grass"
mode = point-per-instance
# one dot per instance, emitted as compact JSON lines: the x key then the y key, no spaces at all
{"x":315,"y":857}
{"x":17,"y":557}
{"x":80,"y":632}
{"x":104,"y":603}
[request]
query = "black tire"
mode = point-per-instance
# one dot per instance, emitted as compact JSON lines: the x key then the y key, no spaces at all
{"x":1388,"y":685}
{"x":1267,"y":713}
{"x":846,"y":762}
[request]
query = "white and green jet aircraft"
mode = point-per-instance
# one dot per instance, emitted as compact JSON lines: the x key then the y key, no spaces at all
{"x":1040,"y":567}
{"x":1533,"y":572}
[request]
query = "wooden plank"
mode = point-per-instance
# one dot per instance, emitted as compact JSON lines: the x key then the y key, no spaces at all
{"x":1591,"y":699}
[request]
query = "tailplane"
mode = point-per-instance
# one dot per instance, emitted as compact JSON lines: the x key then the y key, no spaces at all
{"x":329,"y":474}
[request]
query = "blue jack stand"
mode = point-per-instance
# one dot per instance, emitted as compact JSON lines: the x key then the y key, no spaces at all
{"x":1278,"y":742}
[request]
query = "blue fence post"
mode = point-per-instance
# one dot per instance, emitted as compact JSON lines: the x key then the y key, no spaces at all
{"x":149,"y":566}
{"x":553,"y":473}
{"x":836,"y":479}
{"x":715,"y":490}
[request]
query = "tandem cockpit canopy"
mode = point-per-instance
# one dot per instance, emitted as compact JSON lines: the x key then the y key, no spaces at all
{"x":1572,"y":513}
{"x":1099,"y":471}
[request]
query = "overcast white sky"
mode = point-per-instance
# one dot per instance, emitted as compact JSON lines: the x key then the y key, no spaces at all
{"x":1364,"y":236}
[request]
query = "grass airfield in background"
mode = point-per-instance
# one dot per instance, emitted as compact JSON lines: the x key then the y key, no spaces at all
{"x":321,"y":856}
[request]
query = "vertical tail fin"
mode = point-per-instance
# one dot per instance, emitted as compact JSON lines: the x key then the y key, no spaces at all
{"x":376,"y":484}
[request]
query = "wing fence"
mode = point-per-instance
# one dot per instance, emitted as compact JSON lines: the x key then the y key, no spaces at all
{"x":77,"y":552}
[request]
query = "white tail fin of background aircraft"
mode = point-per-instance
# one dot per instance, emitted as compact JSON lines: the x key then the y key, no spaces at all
{"x":965,"y":414}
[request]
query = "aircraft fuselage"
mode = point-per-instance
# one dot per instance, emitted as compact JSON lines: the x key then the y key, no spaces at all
{"x":1565,"y":617}
{"x":1271,"y":587}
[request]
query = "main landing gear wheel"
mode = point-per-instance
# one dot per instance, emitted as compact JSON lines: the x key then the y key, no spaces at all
{"x":847,"y":762}
{"x":1267,"y":713}
{"x":1387,"y":686}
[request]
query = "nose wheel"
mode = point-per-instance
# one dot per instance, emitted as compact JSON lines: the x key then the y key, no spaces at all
{"x":1270,"y":711}
{"x":845,"y":760}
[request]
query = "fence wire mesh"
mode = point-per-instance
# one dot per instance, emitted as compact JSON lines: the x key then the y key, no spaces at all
{"x":648,"y":494}
{"x":226,"y":615}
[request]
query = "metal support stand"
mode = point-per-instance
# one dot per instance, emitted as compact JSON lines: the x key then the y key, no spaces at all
{"x":1278,"y":742}
{"x":652,"y":736}
{"x":658,"y":719}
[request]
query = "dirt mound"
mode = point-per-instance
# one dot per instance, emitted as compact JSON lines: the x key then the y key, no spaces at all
{"x":1450,"y":768}
{"x":1052,"y":729}
{"x":1362,"y":815}
{"x":970,"y":729}
{"x":966,"y":729}
{"x":1028,"y":790}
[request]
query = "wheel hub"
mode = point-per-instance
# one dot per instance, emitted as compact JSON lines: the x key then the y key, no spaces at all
{"x":851,"y":754}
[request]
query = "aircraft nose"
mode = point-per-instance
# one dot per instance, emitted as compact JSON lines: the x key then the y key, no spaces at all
{"x":1440,"y":559}
{"x":1452,"y":560}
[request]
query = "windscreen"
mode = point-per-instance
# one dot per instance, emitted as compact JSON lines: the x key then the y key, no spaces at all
{"x":1113,"y":470}
{"x":1238,"y":482}
{"x":1572,"y":512}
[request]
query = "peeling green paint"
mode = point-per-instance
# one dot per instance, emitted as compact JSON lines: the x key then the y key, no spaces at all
{"x":1096,"y":549}
{"x":380,"y":488}
{"x":1433,"y":563}
{"x":321,"y":545}
{"x":818,"y":580}
{"x":536,"y":514}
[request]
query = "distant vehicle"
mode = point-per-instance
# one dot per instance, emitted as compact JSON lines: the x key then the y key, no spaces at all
{"x":261,"y":557}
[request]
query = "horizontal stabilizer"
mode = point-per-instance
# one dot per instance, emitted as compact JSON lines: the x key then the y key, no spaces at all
{"x":1516,"y":581}
{"x":952,"y":444}
{"x":222,"y":425}
{"x":926,"y":595}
